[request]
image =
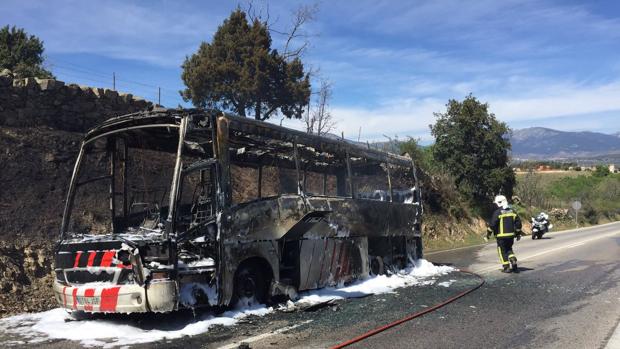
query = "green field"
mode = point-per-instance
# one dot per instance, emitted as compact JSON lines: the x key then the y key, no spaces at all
{"x":599,"y":193}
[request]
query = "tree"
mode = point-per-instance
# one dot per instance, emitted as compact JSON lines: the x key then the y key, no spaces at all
{"x":472,"y":145}
{"x":296,"y":39}
{"x":422,"y":157}
{"x":240,"y":72}
{"x":531,"y":190}
{"x":601,"y":171}
{"x":302,"y":15}
{"x":319,"y":119}
{"x":22,"y":54}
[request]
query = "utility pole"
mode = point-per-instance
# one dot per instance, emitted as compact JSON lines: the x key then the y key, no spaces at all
{"x":114,"y":81}
{"x":159,"y":96}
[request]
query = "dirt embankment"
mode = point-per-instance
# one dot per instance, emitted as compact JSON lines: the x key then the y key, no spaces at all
{"x":35,"y":166}
{"x":25,"y":278}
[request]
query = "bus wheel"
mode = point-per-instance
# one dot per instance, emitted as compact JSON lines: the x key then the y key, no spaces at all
{"x":251,"y":286}
{"x":376,"y":265}
{"x":400,"y":262}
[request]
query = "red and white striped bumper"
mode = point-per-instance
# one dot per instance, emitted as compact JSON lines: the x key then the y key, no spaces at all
{"x":97,"y":298}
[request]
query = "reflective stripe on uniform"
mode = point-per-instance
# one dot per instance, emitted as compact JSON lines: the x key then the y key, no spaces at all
{"x":507,"y":235}
{"x":501,"y":258}
{"x":512,"y":214}
{"x":501,"y":224}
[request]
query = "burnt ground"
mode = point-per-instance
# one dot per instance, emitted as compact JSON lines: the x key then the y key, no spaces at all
{"x":330,"y":324}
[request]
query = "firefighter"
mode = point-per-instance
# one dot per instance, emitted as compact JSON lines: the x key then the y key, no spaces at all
{"x":506,"y":226}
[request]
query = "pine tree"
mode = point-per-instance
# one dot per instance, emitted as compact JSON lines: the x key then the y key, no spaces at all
{"x":240,"y":72}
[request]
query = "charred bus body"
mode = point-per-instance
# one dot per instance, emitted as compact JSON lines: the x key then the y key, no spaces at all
{"x":183,"y":208}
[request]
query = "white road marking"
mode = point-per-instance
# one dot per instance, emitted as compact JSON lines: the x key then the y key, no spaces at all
{"x":454,"y":249}
{"x":553,"y":232}
{"x":263,"y":335}
{"x":614,"y":341}
{"x":493,"y":267}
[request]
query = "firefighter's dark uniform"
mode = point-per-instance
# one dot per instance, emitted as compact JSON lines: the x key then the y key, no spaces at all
{"x":505,"y":225}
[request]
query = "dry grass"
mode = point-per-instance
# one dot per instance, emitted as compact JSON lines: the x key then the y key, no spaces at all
{"x":550,"y":176}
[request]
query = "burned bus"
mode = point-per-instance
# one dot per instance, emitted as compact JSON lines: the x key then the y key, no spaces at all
{"x":170,"y":209}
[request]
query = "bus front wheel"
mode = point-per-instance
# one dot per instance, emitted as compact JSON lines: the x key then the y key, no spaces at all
{"x":251,"y":286}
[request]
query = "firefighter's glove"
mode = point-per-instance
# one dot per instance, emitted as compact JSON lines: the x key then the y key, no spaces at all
{"x":489,"y":233}
{"x":519,"y":233}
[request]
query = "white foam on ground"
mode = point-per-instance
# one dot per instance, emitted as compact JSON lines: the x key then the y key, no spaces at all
{"x":58,"y":324}
{"x":446,"y":283}
{"x":421,"y":273}
{"x":108,"y":333}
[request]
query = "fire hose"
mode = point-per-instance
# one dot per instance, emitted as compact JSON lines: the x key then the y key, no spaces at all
{"x":412,"y":316}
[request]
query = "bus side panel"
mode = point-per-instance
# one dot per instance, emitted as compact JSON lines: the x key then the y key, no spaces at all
{"x":271,"y":218}
{"x":311,"y":256}
{"x":371,"y":218}
{"x":332,"y":261}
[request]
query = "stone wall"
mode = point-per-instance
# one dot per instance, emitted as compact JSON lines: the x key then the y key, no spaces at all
{"x":47,"y":102}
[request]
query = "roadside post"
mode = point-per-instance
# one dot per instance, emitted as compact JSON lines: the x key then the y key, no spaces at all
{"x":576,"y":206}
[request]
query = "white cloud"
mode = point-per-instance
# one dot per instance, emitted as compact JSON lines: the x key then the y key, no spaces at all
{"x":553,"y":107}
{"x":153,"y":32}
{"x":484,"y":22}
{"x":404,"y":118}
{"x":558,"y":101}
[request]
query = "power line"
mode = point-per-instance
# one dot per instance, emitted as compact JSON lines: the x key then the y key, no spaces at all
{"x":82,"y":69}
{"x":79,"y":69}
{"x":78,"y":72}
{"x":81,"y":77}
{"x":134,"y":91}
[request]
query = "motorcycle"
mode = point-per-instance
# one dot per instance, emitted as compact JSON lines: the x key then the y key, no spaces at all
{"x":540,"y":225}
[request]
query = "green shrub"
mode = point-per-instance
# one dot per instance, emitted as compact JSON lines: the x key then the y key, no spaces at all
{"x":599,"y":194}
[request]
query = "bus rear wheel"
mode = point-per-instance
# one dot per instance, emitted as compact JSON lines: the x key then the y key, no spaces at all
{"x":376,"y":266}
{"x":251,"y":286}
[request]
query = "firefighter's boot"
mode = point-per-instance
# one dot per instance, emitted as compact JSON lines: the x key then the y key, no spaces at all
{"x":513,"y":264}
{"x":506,"y":269}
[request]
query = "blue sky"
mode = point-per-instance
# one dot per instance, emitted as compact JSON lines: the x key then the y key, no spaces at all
{"x":392,"y":64}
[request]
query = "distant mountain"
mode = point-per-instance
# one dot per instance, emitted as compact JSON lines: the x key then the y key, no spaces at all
{"x":544,"y":143}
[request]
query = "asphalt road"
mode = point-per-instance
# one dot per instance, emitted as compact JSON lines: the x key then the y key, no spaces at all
{"x":567,"y":295}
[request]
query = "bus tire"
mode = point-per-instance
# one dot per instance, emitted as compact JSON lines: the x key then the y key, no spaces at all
{"x":419,"y":248}
{"x":251,"y":285}
{"x":376,"y":266}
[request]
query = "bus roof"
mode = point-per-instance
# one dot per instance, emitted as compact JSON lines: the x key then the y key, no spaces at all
{"x":244,"y":132}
